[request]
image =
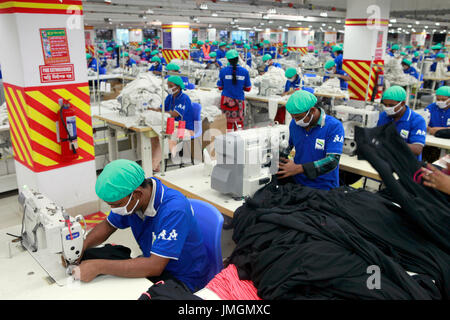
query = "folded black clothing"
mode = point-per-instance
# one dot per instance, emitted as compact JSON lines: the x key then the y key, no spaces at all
{"x":108,"y":251}
{"x":443,"y":133}
{"x":168,"y":290}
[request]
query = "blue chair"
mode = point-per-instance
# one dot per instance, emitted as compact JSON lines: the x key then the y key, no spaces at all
{"x":210,"y":222}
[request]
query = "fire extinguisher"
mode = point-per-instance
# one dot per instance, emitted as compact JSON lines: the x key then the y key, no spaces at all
{"x":66,"y":129}
{"x":379,"y":80}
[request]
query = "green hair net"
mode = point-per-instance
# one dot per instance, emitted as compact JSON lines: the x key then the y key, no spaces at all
{"x":119,"y":179}
{"x":154,"y":52}
{"x":232,"y":54}
{"x":176,"y":80}
{"x":172,"y":67}
{"x":443,"y":91}
{"x":406,"y":61}
{"x":337,"y":48}
{"x":155,"y":59}
{"x":266,"y":57}
{"x":88,"y":56}
{"x":290,"y":73}
{"x":300,"y":101}
{"x":213,"y":54}
{"x":329,"y":64}
{"x":440,"y":55}
{"x":403,"y":53}
{"x":395,"y":93}
{"x":395,"y":47}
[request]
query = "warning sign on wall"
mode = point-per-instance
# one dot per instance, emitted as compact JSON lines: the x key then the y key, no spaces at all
{"x":55,"y":46}
{"x":57,"y":73}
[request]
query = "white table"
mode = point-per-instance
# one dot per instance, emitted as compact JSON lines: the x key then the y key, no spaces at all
{"x":23,"y":278}
{"x":441,"y":143}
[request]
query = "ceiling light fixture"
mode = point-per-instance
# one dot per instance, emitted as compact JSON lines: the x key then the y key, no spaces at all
{"x":214,"y":14}
{"x":272,"y":11}
{"x":393,"y":20}
{"x":203,"y":6}
{"x":323,"y":14}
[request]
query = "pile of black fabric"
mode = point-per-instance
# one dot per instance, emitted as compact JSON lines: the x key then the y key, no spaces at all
{"x":295,"y":242}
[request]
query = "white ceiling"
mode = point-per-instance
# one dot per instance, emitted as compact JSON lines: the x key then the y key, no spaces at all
{"x":249,"y":13}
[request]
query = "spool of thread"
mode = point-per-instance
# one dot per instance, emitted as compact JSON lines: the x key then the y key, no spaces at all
{"x":181,"y":128}
{"x":170,"y":125}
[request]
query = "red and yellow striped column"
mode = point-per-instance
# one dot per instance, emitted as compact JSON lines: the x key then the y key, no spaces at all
{"x":175,"y":41}
{"x":298,"y":39}
{"x":360,"y":71}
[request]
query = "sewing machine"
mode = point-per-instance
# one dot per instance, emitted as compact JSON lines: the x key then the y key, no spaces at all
{"x":206,"y":77}
{"x":267,"y":87}
{"x":247,"y":159}
{"x":351,"y":117}
{"x":48,"y":231}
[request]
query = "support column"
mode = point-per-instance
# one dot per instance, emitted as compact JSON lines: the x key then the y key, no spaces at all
{"x":135,"y":36}
{"x":331,"y":37}
{"x":298,"y":39}
{"x":366,"y":29}
{"x":175,"y":41}
{"x":418,"y":39}
{"x":447,"y":41}
{"x":212,"y":35}
{"x":43,"y":60}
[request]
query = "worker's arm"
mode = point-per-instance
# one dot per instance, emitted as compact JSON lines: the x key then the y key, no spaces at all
{"x":98,"y":235}
{"x":433,"y":130}
{"x":344,"y":77}
{"x":320,"y":167}
{"x":416,"y":148}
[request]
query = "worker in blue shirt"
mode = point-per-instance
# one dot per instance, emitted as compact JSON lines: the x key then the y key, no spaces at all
{"x":162,"y":222}
{"x":318,"y":140}
{"x":156,"y":66}
{"x":233,"y":81}
{"x":294,"y":82}
{"x":197,"y":53}
{"x":285,"y":53}
{"x":214,"y":46}
{"x":440,"y":57}
{"x":272,"y":50}
{"x":339,"y":53}
{"x":436,"y":50}
{"x":439,"y":111}
{"x":161,"y":57}
{"x":394,"y":52}
{"x":91,"y":62}
{"x":128,"y":62}
{"x":172,"y":67}
{"x":408,"y":69}
{"x":268,"y":61}
{"x":417,"y":57}
{"x":410,"y":125}
{"x":331,"y":69}
{"x":221,"y":52}
{"x":213,"y":63}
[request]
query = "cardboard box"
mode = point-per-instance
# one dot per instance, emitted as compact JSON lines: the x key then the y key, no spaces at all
{"x":116,"y":89}
{"x":211,"y":130}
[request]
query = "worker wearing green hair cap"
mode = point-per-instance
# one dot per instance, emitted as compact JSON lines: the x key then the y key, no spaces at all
{"x":268,"y":62}
{"x":213,"y":63}
{"x":221,"y":52}
{"x":439,"y":111}
{"x":318,"y":140}
{"x":163,"y":224}
{"x":127,"y":60}
{"x":439,"y":58}
{"x":417,"y":57}
{"x":338,"y":55}
{"x":331,"y":70}
{"x":156,"y":65}
{"x":408,"y":69}
{"x":285,"y":53}
{"x":410,"y":125}
{"x":394,"y":51}
{"x":233,"y":81}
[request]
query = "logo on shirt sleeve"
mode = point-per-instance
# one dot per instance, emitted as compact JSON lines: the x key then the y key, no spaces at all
{"x":180,"y":107}
{"x":421,"y":132}
{"x":338,"y":138}
{"x":404,"y":134}
{"x":172,"y":235}
{"x":320,"y":144}
{"x":448,"y":122}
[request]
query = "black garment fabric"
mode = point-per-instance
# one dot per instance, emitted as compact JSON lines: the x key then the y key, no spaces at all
{"x":296,"y":242}
{"x":425,"y":207}
{"x":443,"y":133}
{"x":168,"y":290}
{"x":108,"y":251}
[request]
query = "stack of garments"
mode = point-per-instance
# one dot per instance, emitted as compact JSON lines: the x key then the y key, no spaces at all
{"x":294,"y":242}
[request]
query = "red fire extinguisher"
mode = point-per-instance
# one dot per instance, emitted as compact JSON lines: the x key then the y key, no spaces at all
{"x":66,"y":129}
{"x":379,"y":82}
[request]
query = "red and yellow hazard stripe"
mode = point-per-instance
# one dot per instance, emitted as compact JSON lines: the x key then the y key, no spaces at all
{"x":69,"y":7}
{"x":359,"y":71}
{"x":171,"y":26}
{"x":366,"y":22}
{"x":33,"y":113}
{"x":298,"y":29}
{"x":169,"y":54}
{"x":303,"y":50}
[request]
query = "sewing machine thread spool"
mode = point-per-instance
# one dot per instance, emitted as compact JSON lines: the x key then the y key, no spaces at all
{"x":170,"y":125}
{"x":181,"y":128}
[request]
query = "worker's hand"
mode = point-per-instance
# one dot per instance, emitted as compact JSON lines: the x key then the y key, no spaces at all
{"x":433,"y":131}
{"x":288,"y":168}
{"x":86,"y":271}
{"x":436,"y":179}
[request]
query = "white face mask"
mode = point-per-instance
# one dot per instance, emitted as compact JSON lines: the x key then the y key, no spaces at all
{"x":390,"y":111}
{"x":123,"y":210}
{"x":302,"y":122}
{"x":172,"y":90}
{"x":442,"y":104}
{"x":292,"y":79}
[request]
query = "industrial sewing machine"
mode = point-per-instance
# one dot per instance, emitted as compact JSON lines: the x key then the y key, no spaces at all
{"x":247,"y":159}
{"x":48,"y":231}
{"x":206,"y":77}
{"x":351,"y":117}
{"x":268,"y":87}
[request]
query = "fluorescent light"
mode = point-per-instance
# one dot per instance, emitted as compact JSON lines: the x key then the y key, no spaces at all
{"x":272,"y":11}
{"x":203,"y":6}
{"x":301,"y":17}
{"x":393,"y":20}
{"x":299,"y":23}
{"x":214,"y":14}
{"x":323,"y":14}
{"x":390,"y":24}
{"x":265,"y":16}
{"x":287,"y":24}
{"x":324,"y":25}
{"x":409,"y":26}
{"x":417,"y":22}
{"x":338,"y":21}
{"x":426,"y":27}
{"x":270,"y":21}
{"x":149,"y":11}
{"x":437,"y":23}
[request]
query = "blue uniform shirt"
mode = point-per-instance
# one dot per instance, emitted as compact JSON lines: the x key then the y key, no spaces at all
{"x":338,"y":60}
{"x":275,"y":64}
{"x":325,"y":138}
{"x":296,"y":85}
{"x":411,"y":127}
{"x":93,"y":64}
{"x":183,"y":106}
{"x":158,"y":68}
{"x":235,"y":91}
{"x":130,"y":62}
{"x":168,"y":229}
{"x":220,"y":54}
{"x":412,"y":71}
{"x":439,"y":117}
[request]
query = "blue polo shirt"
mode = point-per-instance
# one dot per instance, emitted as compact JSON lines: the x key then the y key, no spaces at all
{"x":339,"y":60}
{"x":93,"y":64}
{"x":130,"y":62}
{"x":296,"y":85}
{"x":168,"y":229}
{"x":220,"y":54}
{"x":158,"y":68}
{"x":183,"y":106}
{"x":275,"y":64}
{"x":235,"y":91}
{"x":411,"y":127}
{"x":439,"y":117}
{"x":343,"y":83}
{"x":326,"y":137}
{"x":412,"y":72}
